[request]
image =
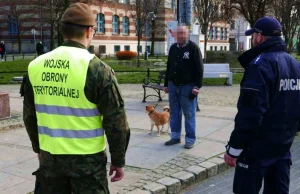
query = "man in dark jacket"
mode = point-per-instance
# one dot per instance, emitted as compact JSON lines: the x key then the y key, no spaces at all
{"x":40,"y":48}
{"x":268,"y":113}
{"x":2,"y":50}
{"x":183,"y":80}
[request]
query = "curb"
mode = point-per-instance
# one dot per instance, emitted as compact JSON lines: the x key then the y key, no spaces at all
{"x":11,"y":126}
{"x":178,"y":181}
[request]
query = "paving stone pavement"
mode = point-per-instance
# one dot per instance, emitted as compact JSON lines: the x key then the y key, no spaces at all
{"x":149,"y":166}
{"x":222,"y":183}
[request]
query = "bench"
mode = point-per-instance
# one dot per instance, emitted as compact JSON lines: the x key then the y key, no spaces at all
{"x":17,"y":79}
{"x":218,"y":70}
{"x":154,"y":84}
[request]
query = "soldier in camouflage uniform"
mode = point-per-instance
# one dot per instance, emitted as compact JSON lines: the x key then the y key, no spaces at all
{"x":82,"y":174}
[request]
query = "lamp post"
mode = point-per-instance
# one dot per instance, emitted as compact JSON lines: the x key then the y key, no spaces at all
{"x":33,"y":32}
{"x":238,"y":35}
{"x":153,"y":16}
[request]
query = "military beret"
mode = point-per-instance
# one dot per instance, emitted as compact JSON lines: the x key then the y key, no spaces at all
{"x":79,"y":14}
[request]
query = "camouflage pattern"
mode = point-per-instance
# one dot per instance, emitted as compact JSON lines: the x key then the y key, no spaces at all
{"x":72,"y":174}
{"x":102,"y":89}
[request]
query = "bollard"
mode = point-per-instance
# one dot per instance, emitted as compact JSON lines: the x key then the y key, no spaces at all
{"x":4,"y":105}
{"x":13,"y":57}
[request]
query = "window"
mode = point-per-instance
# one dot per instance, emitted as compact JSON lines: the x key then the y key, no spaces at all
{"x":116,"y":48}
{"x":221,"y":36}
{"x":221,"y":48}
{"x":140,"y":50}
{"x":216,"y":48}
{"x":225,"y":34}
{"x":102,"y":49}
{"x":172,"y":4}
{"x":232,"y":25}
{"x":116,"y":1}
{"x":225,"y":48}
{"x":115,"y":25}
{"x":100,"y":23}
{"x":211,"y":48}
{"x":148,"y":48}
{"x":211,"y":33}
{"x":126,"y":25}
{"x":12,"y":26}
{"x":126,"y":48}
{"x":216,"y":33}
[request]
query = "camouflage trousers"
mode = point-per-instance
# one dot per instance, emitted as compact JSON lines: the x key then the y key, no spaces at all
{"x":72,"y":174}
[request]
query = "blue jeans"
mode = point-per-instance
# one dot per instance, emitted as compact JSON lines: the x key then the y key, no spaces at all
{"x":181,"y":103}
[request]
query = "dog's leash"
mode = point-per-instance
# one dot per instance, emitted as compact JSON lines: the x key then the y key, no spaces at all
{"x":159,"y":101}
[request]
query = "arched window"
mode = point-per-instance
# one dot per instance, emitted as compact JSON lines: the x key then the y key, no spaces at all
{"x":126,"y":25}
{"x":222,"y":35}
{"x":211,"y":33}
{"x":216,"y":33}
{"x":100,"y":23}
{"x":116,"y":25}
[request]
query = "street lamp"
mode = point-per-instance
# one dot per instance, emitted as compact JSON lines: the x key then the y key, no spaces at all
{"x":153,"y":16}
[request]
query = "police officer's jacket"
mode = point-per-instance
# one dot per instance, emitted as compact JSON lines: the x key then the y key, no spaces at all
{"x":269,"y":103}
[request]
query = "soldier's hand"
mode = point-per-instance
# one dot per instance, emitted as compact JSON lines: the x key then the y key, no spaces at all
{"x":119,"y":173}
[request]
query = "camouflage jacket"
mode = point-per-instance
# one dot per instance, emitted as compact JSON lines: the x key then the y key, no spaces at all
{"x":102,"y":89}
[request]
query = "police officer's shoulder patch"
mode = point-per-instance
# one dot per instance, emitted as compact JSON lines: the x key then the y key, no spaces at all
{"x":258,"y":59}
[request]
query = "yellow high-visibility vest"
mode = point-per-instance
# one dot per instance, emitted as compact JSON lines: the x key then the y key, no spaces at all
{"x":67,"y":122}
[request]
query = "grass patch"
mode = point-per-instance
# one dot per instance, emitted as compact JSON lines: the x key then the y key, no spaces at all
{"x":134,"y":78}
{"x":11,"y":66}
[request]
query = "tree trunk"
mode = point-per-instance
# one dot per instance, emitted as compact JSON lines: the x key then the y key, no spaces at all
{"x":138,"y":51}
{"x":52,"y":35}
{"x":60,"y":38}
{"x":19,"y":41}
{"x":153,"y":38}
{"x":205,"y":42}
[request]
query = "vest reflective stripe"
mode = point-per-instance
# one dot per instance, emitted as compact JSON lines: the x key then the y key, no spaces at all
{"x":60,"y":110}
{"x":68,"y":123}
{"x":71,"y":133}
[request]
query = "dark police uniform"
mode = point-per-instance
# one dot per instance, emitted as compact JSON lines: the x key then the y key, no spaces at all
{"x":267,"y":119}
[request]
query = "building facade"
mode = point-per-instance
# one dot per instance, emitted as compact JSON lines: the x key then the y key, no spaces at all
{"x":116,"y":27}
{"x":238,"y":40}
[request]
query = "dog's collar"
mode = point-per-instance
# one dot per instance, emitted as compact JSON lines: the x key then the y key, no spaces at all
{"x":151,"y":112}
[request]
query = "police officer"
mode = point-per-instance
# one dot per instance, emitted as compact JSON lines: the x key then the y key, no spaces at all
{"x":71,"y":102}
{"x":268,"y":113}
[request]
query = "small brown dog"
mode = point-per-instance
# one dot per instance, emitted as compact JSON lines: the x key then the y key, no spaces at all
{"x":158,"y":118}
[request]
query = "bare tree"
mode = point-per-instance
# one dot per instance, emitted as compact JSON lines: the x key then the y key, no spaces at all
{"x":142,"y":9}
{"x":208,"y":12}
{"x":251,"y":10}
{"x":155,"y":7}
{"x":21,"y":14}
{"x":53,"y":11}
{"x":287,"y":12}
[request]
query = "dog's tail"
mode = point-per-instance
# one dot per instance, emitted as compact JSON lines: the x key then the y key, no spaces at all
{"x":167,"y":109}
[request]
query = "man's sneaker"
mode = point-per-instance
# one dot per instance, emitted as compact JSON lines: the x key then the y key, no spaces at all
{"x":172,"y":142}
{"x":189,"y":145}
